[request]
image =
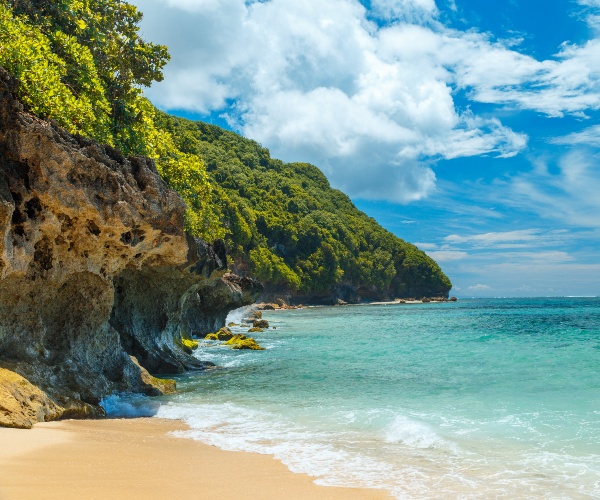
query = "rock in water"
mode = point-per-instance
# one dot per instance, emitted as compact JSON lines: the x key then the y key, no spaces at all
{"x":260,"y":323}
{"x":223,"y":334}
{"x":243,"y":342}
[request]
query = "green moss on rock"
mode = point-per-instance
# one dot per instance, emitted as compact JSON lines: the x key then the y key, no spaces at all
{"x":160,"y":385}
{"x":190,"y":344}
{"x":243,"y":342}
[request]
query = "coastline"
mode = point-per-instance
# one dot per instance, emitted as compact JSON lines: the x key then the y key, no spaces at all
{"x":137,"y":458}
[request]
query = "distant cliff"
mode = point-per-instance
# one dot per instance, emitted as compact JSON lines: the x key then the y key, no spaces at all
{"x":287,"y":226}
{"x":98,"y":281}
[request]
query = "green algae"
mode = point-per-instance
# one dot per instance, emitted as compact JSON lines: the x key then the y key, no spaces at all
{"x":243,"y":342}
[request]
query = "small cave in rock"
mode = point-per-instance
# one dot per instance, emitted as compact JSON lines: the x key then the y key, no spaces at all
{"x":66,"y":222}
{"x":33,"y":208}
{"x":133,"y":237}
{"x":43,"y":254}
{"x":93,"y":228}
{"x":18,"y":217}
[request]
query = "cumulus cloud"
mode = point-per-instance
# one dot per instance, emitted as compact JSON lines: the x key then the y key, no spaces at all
{"x":407,"y":10}
{"x":372,"y":104}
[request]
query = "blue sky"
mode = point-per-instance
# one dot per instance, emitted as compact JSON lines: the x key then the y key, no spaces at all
{"x":468,"y":128}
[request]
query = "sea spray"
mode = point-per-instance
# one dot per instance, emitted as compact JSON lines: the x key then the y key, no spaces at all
{"x":130,"y":406}
{"x":238,"y":315}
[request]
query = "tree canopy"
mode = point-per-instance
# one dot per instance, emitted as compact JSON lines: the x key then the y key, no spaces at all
{"x":83,"y":64}
{"x":286,"y":225}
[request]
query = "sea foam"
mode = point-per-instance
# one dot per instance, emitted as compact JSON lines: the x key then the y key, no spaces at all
{"x":415,"y":434}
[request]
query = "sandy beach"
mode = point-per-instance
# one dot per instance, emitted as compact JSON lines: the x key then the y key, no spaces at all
{"x":137,"y":458}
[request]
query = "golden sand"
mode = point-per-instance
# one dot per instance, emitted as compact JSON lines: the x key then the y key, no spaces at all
{"x":137,"y":459}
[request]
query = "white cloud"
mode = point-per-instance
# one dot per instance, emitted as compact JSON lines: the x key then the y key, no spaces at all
{"x":567,"y":196}
{"x":494,"y":238}
{"x":587,"y":137}
{"x":407,"y":10}
{"x":548,"y":257}
{"x":479,"y":288}
{"x":589,"y":3}
{"x":372,"y":106}
{"x":447,"y":255}
{"x":426,"y":246}
{"x":318,"y":82}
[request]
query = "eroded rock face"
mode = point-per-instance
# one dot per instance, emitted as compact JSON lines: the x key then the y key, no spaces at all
{"x":94,"y":265}
{"x":153,"y":307}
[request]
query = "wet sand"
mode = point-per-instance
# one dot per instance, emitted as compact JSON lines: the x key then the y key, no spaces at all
{"x":137,"y":458}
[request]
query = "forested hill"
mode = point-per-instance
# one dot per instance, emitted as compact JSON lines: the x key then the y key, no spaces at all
{"x":288,"y":227}
{"x":83,"y":64}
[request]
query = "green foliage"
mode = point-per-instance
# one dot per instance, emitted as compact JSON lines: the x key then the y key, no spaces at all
{"x":28,"y":54}
{"x":109,"y":30}
{"x":186,"y":174}
{"x":81,"y":63}
{"x":271,"y":268}
{"x":292,"y":229}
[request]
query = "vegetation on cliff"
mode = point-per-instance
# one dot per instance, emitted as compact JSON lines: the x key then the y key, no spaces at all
{"x":83,"y":63}
{"x":288,"y":227}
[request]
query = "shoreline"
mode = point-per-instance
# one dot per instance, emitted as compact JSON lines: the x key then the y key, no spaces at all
{"x":137,"y":458}
{"x":270,"y":307}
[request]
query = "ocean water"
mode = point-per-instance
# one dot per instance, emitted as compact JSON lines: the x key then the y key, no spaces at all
{"x":483,"y":398}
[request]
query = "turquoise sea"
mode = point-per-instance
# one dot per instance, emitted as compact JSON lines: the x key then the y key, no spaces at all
{"x":483,"y":398}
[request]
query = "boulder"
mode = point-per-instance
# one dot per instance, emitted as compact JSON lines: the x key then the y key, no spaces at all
{"x":223,"y":334}
{"x":243,"y":342}
{"x":161,"y":385}
{"x":260,"y":323}
{"x":188,"y":345}
{"x":22,"y":404}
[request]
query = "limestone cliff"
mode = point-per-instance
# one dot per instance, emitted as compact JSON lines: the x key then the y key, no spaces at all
{"x":94,"y":267}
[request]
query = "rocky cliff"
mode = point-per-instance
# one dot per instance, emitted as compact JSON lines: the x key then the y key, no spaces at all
{"x":95,"y":268}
